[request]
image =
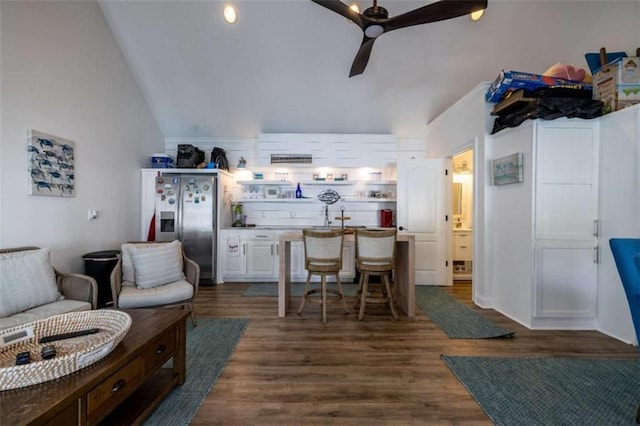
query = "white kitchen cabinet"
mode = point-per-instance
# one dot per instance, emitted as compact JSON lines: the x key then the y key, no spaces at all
{"x":298,"y":273}
{"x":248,"y":255}
{"x":261,"y":254}
{"x":233,"y":251}
{"x":348,"y":271}
{"x":545,"y":229}
{"x":252,"y":255}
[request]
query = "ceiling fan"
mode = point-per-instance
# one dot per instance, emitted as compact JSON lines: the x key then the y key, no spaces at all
{"x":375,"y":21}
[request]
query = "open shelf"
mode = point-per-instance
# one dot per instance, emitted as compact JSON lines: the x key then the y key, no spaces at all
{"x":328,"y":182}
{"x":381,"y":182}
{"x":264,"y":182}
{"x":277,"y":200}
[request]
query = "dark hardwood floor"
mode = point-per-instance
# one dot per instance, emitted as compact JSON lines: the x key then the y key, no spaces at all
{"x":295,"y":370}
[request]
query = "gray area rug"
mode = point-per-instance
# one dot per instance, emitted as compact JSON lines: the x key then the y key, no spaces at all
{"x":297,"y":289}
{"x":209,"y":347}
{"x":454,"y":318}
{"x":551,"y":391}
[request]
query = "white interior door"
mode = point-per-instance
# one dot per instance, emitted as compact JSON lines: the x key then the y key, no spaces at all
{"x":421,"y":210}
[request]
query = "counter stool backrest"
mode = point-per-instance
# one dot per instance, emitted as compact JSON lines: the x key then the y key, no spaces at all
{"x":323,"y":250}
{"x":375,"y":249}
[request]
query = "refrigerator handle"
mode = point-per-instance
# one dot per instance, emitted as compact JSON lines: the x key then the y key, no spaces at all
{"x":180,"y":200}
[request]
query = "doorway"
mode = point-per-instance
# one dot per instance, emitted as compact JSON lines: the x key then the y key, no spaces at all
{"x":462,"y":215}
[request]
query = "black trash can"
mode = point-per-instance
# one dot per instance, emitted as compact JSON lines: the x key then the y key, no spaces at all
{"x":99,"y":265}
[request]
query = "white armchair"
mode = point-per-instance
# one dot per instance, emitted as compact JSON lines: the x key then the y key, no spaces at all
{"x":32,"y":289}
{"x":154,"y":274}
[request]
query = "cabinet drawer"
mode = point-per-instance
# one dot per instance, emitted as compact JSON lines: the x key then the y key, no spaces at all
{"x":159,"y":351}
{"x":111,"y":392}
{"x":260,"y":235}
{"x":463,"y":252}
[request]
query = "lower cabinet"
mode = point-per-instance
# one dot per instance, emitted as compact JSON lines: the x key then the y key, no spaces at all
{"x":233,"y":250}
{"x":566,"y":280}
{"x":462,"y":255}
{"x":261,"y":255}
{"x":252,"y":255}
{"x":249,"y":255}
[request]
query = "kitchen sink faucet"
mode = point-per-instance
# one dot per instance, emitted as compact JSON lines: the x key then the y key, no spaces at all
{"x":326,"y":216}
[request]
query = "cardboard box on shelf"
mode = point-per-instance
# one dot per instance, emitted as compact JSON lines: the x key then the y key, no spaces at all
{"x":617,"y":84}
{"x":509,"y":81}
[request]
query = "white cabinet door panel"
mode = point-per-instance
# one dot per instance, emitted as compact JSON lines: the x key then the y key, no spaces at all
{"x":260,"y":258}
{"x":566,"y":181}
{"x":234,"y":254}
{"x":566,"y":280}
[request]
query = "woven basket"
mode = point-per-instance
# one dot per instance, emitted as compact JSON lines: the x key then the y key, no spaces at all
{"x":71,"y":354}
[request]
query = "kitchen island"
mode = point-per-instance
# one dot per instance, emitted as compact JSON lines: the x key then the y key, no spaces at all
{"x":404,"y":273}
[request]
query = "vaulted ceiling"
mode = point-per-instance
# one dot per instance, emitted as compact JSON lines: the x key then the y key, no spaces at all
{"x":284,"y":65}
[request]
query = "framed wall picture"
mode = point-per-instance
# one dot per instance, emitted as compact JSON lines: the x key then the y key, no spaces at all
{"x":507,"y":170}
{"x":51,"y":165}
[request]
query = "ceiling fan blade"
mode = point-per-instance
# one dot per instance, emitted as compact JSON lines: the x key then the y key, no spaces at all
{"x":342,"y":9}
{"x":362,"y":57}
{"x":438,"y":11}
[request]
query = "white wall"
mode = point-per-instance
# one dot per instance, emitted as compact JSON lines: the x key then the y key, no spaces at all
{"x":618,"y":214}
{"x":461,"y":127}
{"x":63,"y":74}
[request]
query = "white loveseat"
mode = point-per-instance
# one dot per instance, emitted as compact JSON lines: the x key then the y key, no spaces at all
{"x":32,"y":289}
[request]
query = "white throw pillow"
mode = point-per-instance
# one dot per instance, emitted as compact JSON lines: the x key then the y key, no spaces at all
{"x":157,"y":264}
{"x":127,"y":264}
{"x":27,"y":280}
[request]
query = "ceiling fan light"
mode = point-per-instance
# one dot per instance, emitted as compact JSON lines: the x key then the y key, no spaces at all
{"x":475,"y":16}
{"x":230,"y":14}
{"x":373,"y":31}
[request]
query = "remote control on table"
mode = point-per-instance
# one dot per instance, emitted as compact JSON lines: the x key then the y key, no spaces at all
{"x":55,"y":337}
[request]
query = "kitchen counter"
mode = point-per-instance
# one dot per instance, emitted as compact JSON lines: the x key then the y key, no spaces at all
{"x":299,"y":227}
{"x":404,"y":273}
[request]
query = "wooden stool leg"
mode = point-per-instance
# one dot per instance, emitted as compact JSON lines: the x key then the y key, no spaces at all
{"x":387,"y":285}
{"x":324,"y":299}
{"x":344,"y":300}
{"x":304,"y":294}
{"x":359,"y":292}
{"x":363,"y":296}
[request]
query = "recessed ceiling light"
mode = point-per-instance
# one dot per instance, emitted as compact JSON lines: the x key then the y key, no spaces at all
{"x":230,"y":14}
{"x":476,"y":15}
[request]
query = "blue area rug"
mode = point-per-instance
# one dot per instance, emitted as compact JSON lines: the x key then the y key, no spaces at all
{"x":551,"y":391}
{"x":209,"y":347}
{"x":454,"y":318}
{"x":297,"y":289}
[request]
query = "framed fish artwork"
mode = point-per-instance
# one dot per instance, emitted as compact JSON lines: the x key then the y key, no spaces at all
{"x":51,"y":165}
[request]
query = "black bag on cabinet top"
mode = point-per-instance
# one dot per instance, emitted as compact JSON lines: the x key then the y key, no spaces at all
{"x":219,"y":157}
{"x":189,"y":156}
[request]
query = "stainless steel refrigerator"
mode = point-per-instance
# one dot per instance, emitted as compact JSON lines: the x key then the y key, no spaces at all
{"x":186,"y":210}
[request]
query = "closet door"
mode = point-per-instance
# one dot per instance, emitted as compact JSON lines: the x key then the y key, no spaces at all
{"x":566,"y":181}
{"x":566,"y":219}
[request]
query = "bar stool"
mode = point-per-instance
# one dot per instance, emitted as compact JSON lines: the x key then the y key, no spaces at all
{"x":375,"y":257}
{"x":323,"y":256}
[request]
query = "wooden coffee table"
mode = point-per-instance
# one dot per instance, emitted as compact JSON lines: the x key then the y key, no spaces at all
{"x":131,"y":379}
